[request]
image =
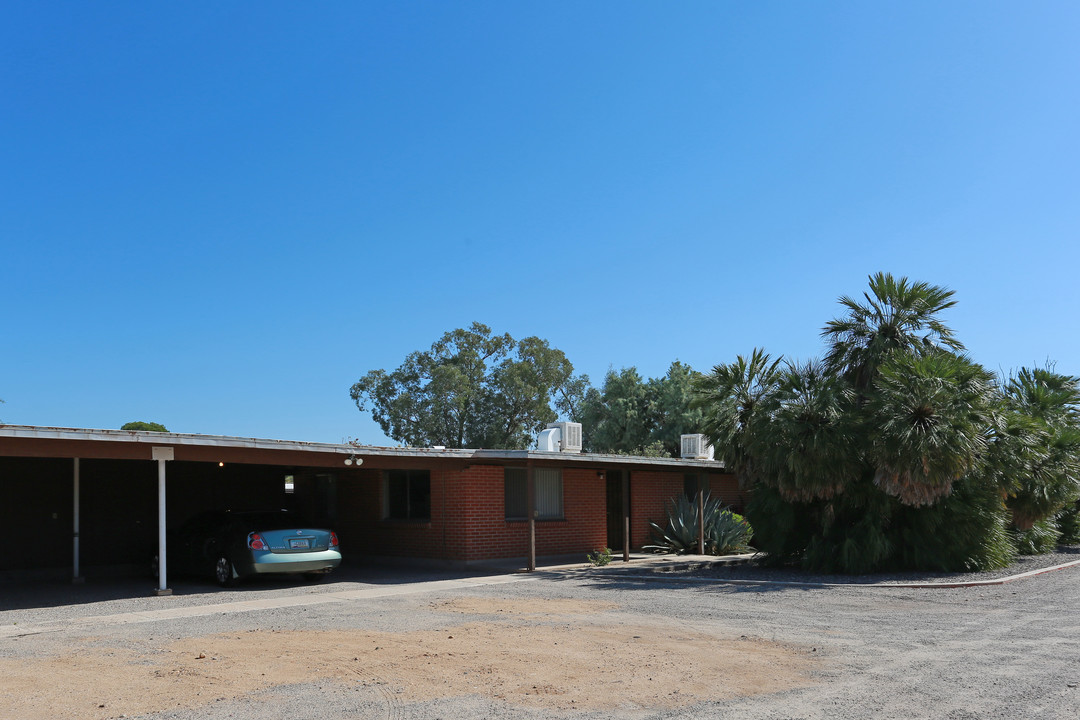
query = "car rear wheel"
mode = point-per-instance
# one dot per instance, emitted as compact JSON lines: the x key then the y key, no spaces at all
{"x":223,"y":571}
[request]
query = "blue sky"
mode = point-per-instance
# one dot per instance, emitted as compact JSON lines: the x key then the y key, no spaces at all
{"x":218,"y":216}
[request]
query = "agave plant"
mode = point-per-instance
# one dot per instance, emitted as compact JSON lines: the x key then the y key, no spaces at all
{"x":725,"y":532}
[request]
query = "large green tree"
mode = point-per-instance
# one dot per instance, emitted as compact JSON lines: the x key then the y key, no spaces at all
{"x":472,"y":389}
{"x":633,"y":416}
{"x":143,"y":425}
{"x":896,"y":450}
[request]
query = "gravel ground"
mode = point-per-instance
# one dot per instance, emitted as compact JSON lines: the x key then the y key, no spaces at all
{"x":753,"y":571}
{"x":582,"y":643}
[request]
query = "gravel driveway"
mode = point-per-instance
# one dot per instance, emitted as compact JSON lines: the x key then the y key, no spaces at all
{"x":578,"y":643}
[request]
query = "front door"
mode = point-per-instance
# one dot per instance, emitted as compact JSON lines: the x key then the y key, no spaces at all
{"x":615,"y":509}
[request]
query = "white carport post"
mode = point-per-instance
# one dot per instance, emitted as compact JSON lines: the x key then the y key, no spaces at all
{"x":162,"y":455}
{"x":75,"y":576}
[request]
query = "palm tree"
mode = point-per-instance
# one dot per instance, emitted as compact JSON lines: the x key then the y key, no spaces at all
{"x":804,"y":441}
{"x":1035,"y":455}
{"x":731,"y":398}
{"x":898,"y":314}
{"x":926,"y":422}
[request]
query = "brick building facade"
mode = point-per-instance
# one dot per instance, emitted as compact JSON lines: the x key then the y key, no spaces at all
{"x":457,"y":506}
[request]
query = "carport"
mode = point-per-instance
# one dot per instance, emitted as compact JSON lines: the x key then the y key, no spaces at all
{"x":115,"y":492}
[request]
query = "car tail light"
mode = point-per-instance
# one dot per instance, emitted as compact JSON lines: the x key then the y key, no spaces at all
{"x":333,"y":539}
{"x":255,"y":542}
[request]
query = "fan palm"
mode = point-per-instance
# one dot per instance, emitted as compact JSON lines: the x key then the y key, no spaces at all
{"x":732,"y":398}
{"x":1046,"y":395}
{"x":897,"y":314}
{"x":804,"y":441}
{"x":1036,"y":450}
{"x":926,"y":421}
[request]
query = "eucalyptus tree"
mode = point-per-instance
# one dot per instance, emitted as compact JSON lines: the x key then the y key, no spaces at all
{"x":628,"y":414}
{"x":472,"y":389}
{"x":143,"y":425}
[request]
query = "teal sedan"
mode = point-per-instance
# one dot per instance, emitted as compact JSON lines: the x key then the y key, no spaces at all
{"x":231,"y":545}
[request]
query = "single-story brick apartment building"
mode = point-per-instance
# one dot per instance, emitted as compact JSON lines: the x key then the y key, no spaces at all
{"x":97,"y":497}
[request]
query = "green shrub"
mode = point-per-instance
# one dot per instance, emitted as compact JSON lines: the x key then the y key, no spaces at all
{"x":1068,"y":524}
{"x":725,"y":532}
{"x":964,"y":532}
{"x":599,"y":558}
{"x":853,"y":533}
{"x":782,"y":529}
{"x":1040,"y":539}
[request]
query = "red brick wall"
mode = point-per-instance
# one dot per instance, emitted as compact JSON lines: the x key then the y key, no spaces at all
{"x":726,"y":487}
{"x":364,"y":531}
{"x":650,"y":492}
{"x":582,"y":529}
{"x":468,"y":520}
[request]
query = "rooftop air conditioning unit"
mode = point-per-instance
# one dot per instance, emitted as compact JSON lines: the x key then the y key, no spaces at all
{"x":548,"y":440}
{"x":696,"y":447}
{"x":560,"y":437}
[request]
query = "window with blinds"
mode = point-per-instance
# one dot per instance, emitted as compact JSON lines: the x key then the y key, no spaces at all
{"x":549,"y":493}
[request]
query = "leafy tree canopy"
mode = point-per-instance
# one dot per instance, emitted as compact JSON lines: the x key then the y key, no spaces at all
{"x":472,"y":389}
{"x":632,"y":416}
{"x":140,"y":425}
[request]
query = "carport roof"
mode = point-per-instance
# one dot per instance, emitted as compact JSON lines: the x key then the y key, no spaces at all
{"x":38,"y":441}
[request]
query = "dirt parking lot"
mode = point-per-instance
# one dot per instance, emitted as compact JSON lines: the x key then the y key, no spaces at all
{"x":578,"y":644}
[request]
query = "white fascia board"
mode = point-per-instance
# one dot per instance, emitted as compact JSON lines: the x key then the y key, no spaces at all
{"x":225,"y":441}
{"x":594,"y":458}
{"x":167,"y":438}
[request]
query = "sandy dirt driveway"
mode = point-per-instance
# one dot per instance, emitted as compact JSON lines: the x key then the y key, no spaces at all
{"x":550,"y":645}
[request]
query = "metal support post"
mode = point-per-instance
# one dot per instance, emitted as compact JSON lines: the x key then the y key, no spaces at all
{"x":530,"y":490}
{"x":75,"y":576}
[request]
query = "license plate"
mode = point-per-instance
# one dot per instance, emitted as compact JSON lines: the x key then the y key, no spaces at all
{"x":299,"y":543}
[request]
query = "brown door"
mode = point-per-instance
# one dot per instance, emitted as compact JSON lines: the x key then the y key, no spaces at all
{"x":614,"y":509}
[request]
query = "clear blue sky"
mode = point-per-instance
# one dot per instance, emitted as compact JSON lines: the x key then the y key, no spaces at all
{"x":218,"y":216}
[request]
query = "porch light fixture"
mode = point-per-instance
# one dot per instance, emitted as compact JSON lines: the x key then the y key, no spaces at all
{"x":353,"y":459}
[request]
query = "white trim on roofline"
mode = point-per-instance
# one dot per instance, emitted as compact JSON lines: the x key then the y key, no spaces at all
{"x":226,"y":441}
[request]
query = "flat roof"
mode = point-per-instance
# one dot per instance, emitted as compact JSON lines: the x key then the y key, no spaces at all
{"x":150,"y":438}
